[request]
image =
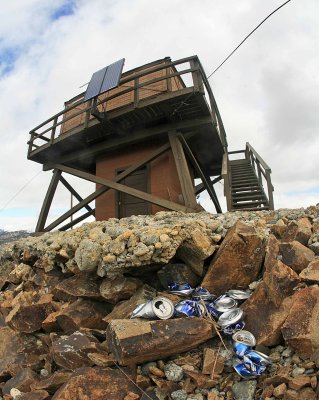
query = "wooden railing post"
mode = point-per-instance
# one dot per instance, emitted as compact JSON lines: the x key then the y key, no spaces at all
{"x":227,"y":181}
{"x":270,"y":190}
{"x":55,"y":121}
{"x":196,"y":75}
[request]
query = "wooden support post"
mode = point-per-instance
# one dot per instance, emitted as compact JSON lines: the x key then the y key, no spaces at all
{"x":206,"y":180}
{"x":48,"y":201}
{"x":185,"y":179}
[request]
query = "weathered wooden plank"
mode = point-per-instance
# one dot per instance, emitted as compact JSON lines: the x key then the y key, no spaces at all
{"x":185,"y":180}
{"x":125,"y":189}
{"x":48,"y":201}
{"x":73,"y":191}
{"x":206,"y":180}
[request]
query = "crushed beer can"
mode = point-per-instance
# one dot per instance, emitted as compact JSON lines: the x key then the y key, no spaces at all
{"x":242,"y":370}
{"x":242,"y":342}
{"x":224,"y":303}
{"x":230,"y":317}
{"x":258,"y":358}
{"x":231,"y":329}
{"x":181,"y":289}
{"x":201,"y":293}
{"x":238,"y":294}
{"x":189,"y":308}
{"x":252,"y":367}
{"x":159,"y":307}
{"x":212,"y":310}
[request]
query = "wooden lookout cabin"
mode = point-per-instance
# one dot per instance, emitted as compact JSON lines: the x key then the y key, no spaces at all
{"x":143,"y":137}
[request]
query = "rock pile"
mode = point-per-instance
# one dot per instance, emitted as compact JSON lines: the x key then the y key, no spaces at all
{"x":66,"y":300}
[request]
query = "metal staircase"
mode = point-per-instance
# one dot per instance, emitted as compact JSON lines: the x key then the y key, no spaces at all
{"x":245,"y":180}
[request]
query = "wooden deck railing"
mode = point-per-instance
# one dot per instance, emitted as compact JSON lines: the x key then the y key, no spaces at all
{"x":133,"y":83}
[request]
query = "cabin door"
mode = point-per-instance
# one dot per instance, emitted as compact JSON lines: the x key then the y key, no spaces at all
{"x":128,"y":205}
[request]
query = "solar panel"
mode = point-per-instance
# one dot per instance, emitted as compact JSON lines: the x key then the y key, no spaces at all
{"x":105,"y":79}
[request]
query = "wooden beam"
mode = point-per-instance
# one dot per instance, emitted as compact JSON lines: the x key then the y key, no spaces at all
{"x":206,"y":181}
{"x":125,"y":189}
{"x":48,"y":201}
{"x":201,"y":187}
{"x":77,"y":220}
{"x":73,"y":191}
{"x":185,"y":180}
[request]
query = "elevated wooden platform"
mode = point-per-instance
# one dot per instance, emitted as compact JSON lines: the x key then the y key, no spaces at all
{"x":77,"y":135}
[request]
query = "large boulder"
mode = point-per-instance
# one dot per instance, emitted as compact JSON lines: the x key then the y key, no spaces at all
{"x":296,"y":255}
{"x":280,"y":279}
{"x":237,"y":261}
{"x":263,"y":318}
{"x":300,"y":329}
{"x":135,"y":341}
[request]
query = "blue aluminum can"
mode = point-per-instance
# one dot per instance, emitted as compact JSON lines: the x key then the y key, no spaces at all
{"x":188,"y":308}
{"x":241,"y":370}
{"x":258,"y":358}
{"x":212,"y":310}
{"x":243,"y":341}
{"x":201,"y":293}
{"x":231,"y":329}
{"x":252,"y":367}
{"x":181,"y":289}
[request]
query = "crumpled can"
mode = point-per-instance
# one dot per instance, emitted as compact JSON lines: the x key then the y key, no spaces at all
{"x":258,"y":358}
{"x":201,"y":293}
{"x":231,"y":329}
{"x":242,"y":370}
{"x":181,"y":289}
{"x":189,"y":308}
{"x":159,"y":307}
{"x":237,"y":294}
{"x":224,"y":303}
{"x":230,"y":317}
{"x":242,"y":342}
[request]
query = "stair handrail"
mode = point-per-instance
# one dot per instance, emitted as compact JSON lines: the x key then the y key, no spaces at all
{"x":262,"y":168}
{"x":227,"y":180}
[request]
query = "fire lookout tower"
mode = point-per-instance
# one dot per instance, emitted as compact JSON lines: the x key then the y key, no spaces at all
{"x":143,"y":137}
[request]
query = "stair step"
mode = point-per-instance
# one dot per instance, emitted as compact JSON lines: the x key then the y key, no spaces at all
{"x":246,"y":182}
{"x":245,"y":187}
{"x":249,"y":203}
{"x":241,"y":177}
{"x":250,"y":196}
{"x":252,"y":209}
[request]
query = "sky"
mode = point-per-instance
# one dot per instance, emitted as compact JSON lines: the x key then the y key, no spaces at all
{"x":267,"y":92}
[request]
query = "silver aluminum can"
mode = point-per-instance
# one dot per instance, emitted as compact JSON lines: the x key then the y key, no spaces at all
{"x":230,"y":317}
{"x":181,"y":289}
{"x":201,"y":293}
{"x":242,"y":342}
{"x":224,"y":303}
{"x":238,"y":294}
{"x":159,"y":307}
